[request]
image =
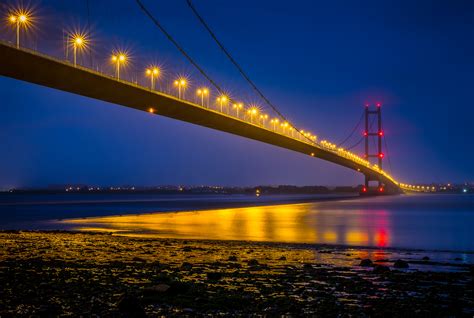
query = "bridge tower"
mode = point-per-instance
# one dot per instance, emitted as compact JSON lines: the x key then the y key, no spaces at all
{"x":369,"y":134}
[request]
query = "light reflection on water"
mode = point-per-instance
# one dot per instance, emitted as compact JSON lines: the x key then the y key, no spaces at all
{"x":433,"y":222}
{"x":296,"y":223}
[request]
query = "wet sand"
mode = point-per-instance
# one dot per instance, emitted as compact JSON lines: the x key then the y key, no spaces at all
{"x":72,"y":274}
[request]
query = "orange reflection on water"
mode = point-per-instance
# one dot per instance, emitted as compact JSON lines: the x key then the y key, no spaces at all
{"x":357,"y":238}
{"x":305,"y":223}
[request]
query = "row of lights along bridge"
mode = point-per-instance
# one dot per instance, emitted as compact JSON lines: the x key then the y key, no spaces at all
{"x":79,"y":42}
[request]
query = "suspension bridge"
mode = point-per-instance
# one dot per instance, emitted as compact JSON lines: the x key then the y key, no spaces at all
{"x":227,"y":115}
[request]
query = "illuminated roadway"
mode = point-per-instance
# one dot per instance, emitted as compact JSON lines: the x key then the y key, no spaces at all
{"x":32,"y":67}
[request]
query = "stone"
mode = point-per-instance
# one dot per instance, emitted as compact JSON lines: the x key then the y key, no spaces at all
{"x":186,"y":266}
{"x":49,"y":310}
{"x":253,"y":262}
{"x":232,"y":258}
{"x":130,"y":306}
{"x":399,"y":263}
{"x":366,"y":263}
{"x":214,"y":276}
{"x":381,"y":269}
{"x":160,"y":288}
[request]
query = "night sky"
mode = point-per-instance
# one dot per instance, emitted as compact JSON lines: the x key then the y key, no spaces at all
{"x":318,"y":61}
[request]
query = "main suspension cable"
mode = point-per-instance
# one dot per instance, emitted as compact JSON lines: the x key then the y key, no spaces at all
{"x":356,"y":144}
{"x":362,"y":138}
{"x":172,"y":40}
{"x":387,"y":152}
{"x":239,"y":68}
{"x":352,"y":132}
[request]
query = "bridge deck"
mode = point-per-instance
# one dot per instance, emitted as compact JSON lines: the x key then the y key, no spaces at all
{"x":35,"y":68}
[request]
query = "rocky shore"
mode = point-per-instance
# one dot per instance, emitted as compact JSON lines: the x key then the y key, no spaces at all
{"x":48,"y":274}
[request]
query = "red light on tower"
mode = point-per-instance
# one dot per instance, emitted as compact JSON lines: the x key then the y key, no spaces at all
{"x":367,"y":105}
{"x":378,"y":104}
{"x":366,"y":133}
{"x":381,"y":189}
{"x":381,"y":133}
{"x":381,"y":155}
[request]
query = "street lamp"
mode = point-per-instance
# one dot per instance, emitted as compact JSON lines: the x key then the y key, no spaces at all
{"x":181,"y":84}
{"x":153,"y":72}
{"x":79,"y":42}
{"x":119,"y":58}
{"x":238,"y":107}
{"x":206,"y":93}
{"x":19,"y":18}
{"x":274,"y":121}
{"x":203,"y":92}
{"x":252,"y":111}
{"x":222,"y":99}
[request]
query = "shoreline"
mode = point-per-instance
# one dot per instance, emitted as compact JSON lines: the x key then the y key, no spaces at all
{"x":58,"y":272}
{"x":295,"y":245}
{"x":279,"y":244}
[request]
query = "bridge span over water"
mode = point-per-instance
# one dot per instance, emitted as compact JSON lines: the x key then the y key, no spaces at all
{"x":33,"y":67}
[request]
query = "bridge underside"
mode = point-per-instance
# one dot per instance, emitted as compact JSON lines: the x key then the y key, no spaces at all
{"x":42,"y":70}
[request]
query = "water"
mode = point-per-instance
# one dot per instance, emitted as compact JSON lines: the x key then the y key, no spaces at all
{"x":431,"y":222}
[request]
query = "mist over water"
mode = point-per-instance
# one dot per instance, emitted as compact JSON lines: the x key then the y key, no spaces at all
{"x":433,"y":222}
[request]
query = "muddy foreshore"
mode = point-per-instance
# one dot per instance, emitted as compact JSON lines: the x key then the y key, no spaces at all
{"x":48,"y":274}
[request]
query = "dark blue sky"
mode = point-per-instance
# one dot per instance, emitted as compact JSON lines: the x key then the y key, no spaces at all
{"x":318,"y":61}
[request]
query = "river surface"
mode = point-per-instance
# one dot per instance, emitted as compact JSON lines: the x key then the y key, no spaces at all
{"x":430,"y":221}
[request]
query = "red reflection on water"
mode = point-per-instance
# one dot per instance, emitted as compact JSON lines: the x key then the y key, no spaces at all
{"x":381,"y":238}
{"x":382,"y":226}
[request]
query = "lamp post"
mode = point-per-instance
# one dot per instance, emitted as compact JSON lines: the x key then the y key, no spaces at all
{"x":253,"y":111}
{"x":203,"y":92}
{"x":19,"y":19}
{"x":222,"y":99}
{"x":206,"y":93}
{"x":153,"y":72}
{"x":119,"y":58}
{"x":237,"y":108}
{"x":181,"y":84}
{"x":274,"y":121}
{"x":78,"y":42}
